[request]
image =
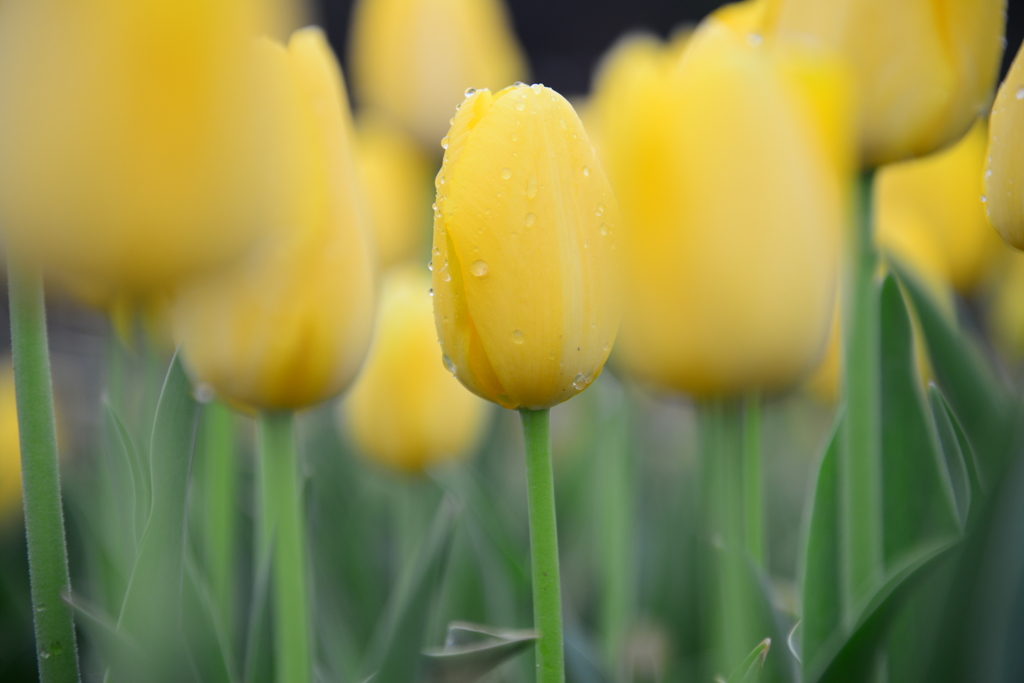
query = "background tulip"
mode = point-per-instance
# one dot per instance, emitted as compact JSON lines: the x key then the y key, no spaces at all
{"x":290,"y":325}
{"x":923,"y":69}
{"x":941,"y":196}
{"x":731,"y":164}
{"x":405,"y":410}
{"x":523,"y":263}
{"x":412,"y":59}
{"x":1004,"y":174}
{"x":396,"y":176}
{"x":130,"y":152}
{"x":10,"y":449}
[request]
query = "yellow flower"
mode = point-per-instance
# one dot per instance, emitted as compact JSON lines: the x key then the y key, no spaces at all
{"x":10,"y":446}
{"x":940,"y":195}
{"x":290,"y":325}
{"x":405,"y":410}
{"x":731,"y":164}
{"x":412,"y":59}
{"x":129,"y":151}
{"x":396,"y":178}
{"x":924,"y":69}
{"x":524,"y":265}
{"x":1004,"y":175}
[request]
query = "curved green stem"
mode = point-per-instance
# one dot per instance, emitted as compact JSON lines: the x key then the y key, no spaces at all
{"x":283,"y":521}
{"x":56,"y":648}
{"x":547,"y":598}
{"x":220,"y":488}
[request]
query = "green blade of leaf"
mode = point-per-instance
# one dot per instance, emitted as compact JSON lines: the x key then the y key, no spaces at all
{"x":395,"y":652}
{"x":952,"y":449}
{"x":472,"y":651}
{"x":259,"y":652}
{"x":749,"y":671}
{"x":139,"y":470}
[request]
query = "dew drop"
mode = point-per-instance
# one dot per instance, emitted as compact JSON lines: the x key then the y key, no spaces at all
{"x":445,"y":275}
{"x":984,"y":199}
{"x":506,"y":173}
{"x":519,"y":84}
{"x":537,"y":87}
{"x":601,"y":208}
{"x":444,"y":142}
{"x":988,"y":173}
{"x":1020,"y":93}
{"x":515,"y":137}
{"x":448,"y":364}
{"x":562,"y":123}
{"x":580,"y":382}
{"x":436,"y":251}
{"x":431,"y":291}
{"x":517,"y":336}
{"x":451,"y":121}
{"x":440,"y":180}
{"x":520,"y":105}
{"x":204,"y":393}
{"x":470,"y":91}
{"x":430,"y":265}
{"x":586,"y":170}
{"x":531,"y":218}
{"x":478,"y":269}
{"x":531,"y":187}
{"x":605,"y":228}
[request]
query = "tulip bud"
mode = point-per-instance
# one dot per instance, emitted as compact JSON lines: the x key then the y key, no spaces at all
{"x":130,"y":153}
{"x":940,"y":196}
{"x":525,"y":229}
{"x":731,"y":164}
{"x":396,"y":178}
{"x":10,"y":446}
{"x":405,"y":410}
{"x":413,"y":59}
{"x":1004,"y":174}
{"x":923,"y":69}
{"x":289,"y":326}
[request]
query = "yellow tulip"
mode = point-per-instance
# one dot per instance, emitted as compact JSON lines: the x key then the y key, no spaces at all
{"x":405,"y":411}
{"x":396,"y":178}
{"x":731,"y":163}
{"x":413,"y":59}
{"x":10,"y":446}
{"x":1004,"y":175}
{"x":524,"y":267}
{"x":290,"y":325}
{"x":941,"y":196}
{"x":924,"y":69}
{"x":129,"y":151}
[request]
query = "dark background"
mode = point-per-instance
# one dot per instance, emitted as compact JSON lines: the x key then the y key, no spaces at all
{"x":564,"y":38}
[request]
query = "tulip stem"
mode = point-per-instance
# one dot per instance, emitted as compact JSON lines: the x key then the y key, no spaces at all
{"x":547,"y":599}
{"x":283,"y":522}
{"x":56,"y":649}
{"x":220,"y":489}
{"x":753,"y":487}
{"x":860,"y":459}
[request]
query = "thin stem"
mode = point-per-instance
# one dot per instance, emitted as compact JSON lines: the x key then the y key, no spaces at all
{"x":860,"y":461}
{"x":283,"y":521}
{"x":220,"y":488}
{"x":56,"y":649}
{"x":547,"y":600}
{"x":753,"y":487}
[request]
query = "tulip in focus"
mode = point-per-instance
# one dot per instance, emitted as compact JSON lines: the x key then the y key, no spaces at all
{"x":406,"y":411}
{"x":940,"y":196}
{"x":130,"y":154}
{"x":1004,"y":174}
{"x":10,"y":446}
{"x":924,"y":69}
{"x":396,"y":176}
{"x":289,"y":326}
{"x":731,"y":163}
{"x":413,"y":59}
{"x":524,"y":267}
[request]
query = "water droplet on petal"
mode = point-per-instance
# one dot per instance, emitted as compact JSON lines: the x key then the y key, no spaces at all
{"x":537,"y":87}
{"x":519,"y":84}
{"x":444,"y":142}
{"x":1020,"y":93}
{"x":470,"y":91}
{"x":448,"y":364}
{"x":531,"y":187}
{"x":430,"y":265}
{"x":586,"y":170}
{"x":517,"y":336}
{"x":431,"y":291}
{"x":984,"y":199}
{"x":580,"y":382}
{"x":436,"y":251}
{"x":506,"y":173}
{"x":601,"y":208}
{"x":531,"y":218}
{"x":605,"y":228}
{"x":445,"y":275}
{"x":515,"y":137}
{"x":478,"y":269}
{"x":562,"y":123}
{"x":520,"y":105}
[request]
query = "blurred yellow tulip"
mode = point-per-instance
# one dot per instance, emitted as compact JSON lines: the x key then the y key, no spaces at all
{"x":1004,"y":175}
{"x":924,"y":69}
{"x":731,"y":163}
{"x":405,"y":410}
{"x":289,"y":326}
{"x":413,"y":59}
{"x":396,"y":178}
{"x":10,"y":446}
{"x":130,"y":153}
{"x":524,"y":267}
{"x":940,"y":196}
{"x":1005,"y":314}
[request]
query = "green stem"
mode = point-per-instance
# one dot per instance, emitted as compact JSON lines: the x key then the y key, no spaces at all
{"x":753,"y":488}
{"x":860,"y":461}
{"x":547,"y":600}
{"x":56,"y":649}
{"x":283,"y":521}
{"x":614,"y":514}
{"x":220,"y":488}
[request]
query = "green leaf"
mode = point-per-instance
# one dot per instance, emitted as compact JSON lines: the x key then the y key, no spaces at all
{"x":472,"y":651}
{"x":982,"y":403}
{"x":917,"y":499}
{"x":749,"y":671}
{"x":259,"y":651}
{"x":822,"y":614}
{"x":117,"y":650}
{"x":204,"y":638}
{"x":141,"y":485}
{"x":395,"y":652}
{"x":125,"y":484}
{"x":953,"y":450}
{"x":977,"y":486}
